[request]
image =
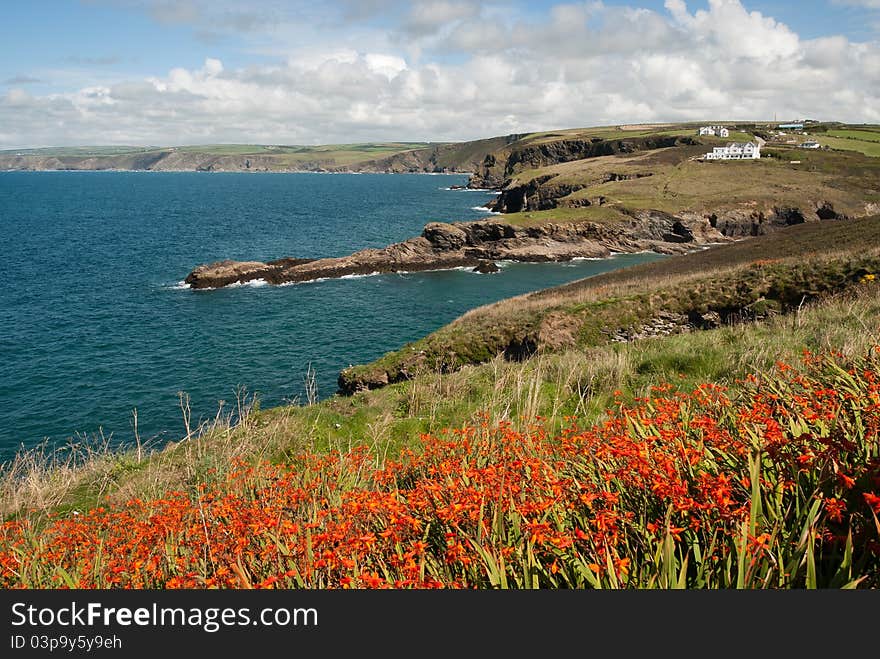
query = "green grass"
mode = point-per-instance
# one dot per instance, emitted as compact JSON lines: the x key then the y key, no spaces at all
{"x":869,"y":148}
{"x":863,"y":135}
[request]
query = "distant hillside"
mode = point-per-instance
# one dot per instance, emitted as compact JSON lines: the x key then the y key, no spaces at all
{"x":493,"y":160}
{"x":390,"y":157}
{"x":226,"y":157}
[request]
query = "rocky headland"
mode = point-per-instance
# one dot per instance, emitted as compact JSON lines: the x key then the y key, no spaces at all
{"x":541,"y":173}
{"x":476,"y":245}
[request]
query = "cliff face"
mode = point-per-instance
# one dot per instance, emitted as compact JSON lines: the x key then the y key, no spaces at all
{"x":497,"y":169}
{"x":750,"y":221}
{"x":543,"y":193}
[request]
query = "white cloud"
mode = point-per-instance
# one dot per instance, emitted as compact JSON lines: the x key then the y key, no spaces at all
{"x":459,"y":70}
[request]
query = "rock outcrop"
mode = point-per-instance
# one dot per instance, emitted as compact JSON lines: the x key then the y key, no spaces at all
{"x":474,"y":244}
{"x":748,"y":220}
{"x":535,"y":195}
{"x":486,"y":268}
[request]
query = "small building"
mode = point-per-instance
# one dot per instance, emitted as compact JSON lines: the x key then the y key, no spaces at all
{"x":795,"y":126}
{"x":716,"y":131}
{"x":735,"y":151}
{"x":811,"y":145}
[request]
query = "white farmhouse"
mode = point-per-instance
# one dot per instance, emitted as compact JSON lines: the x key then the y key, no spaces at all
{"x":717,"y":131}
{"x":735,"y":151}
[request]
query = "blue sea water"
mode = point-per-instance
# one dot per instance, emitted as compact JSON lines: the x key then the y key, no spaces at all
{"x":95,"y":323}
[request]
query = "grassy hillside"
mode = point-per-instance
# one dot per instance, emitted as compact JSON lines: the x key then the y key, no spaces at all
{"x":211,"y":156}
{"x":688,"y":185}
{"x":368,"y":150}
{"x":675,"y":180}
{"x":748,"y":279}
{"x":863,"y":139}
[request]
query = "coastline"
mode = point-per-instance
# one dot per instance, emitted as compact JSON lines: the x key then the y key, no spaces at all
{"x":246,"y":171}
{"x":500,"y":263}
{"x":479,"y":244}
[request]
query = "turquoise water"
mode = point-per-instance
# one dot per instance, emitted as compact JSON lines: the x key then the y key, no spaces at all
{"x":94,"y":321}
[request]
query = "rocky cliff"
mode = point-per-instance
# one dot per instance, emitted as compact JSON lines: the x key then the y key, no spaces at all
{"x":473,"y":244}
{"x":497,"y":168}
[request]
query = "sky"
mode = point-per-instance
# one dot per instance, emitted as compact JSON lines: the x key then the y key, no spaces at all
{"x":174,"y":72}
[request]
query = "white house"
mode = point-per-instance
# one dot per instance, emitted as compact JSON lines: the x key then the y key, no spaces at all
{"x":810,"y":145}
{"x":735,"y":151}
{"x":717,"y":131}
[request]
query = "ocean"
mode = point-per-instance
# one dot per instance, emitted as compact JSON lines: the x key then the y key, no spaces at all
{"x":96,"y":322}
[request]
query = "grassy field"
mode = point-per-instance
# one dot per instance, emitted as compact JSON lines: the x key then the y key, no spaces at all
{"x":865,"y":135}
{"x":870,"y":148}
{"x":464,"y":156}
{"x":367,"y":149}
{"x":601,"y":214}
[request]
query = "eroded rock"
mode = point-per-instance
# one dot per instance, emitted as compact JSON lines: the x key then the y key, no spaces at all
{"x":487,"y":268}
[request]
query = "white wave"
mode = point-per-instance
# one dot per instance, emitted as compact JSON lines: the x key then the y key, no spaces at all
{"x":484,"y":209}
{"x":320,"y":279}
{"x":368,"y":274}
{"x":489,"y":190}
{"x":253,"y":283}
{"x":462,"y":268}
{"x":179,"y":286}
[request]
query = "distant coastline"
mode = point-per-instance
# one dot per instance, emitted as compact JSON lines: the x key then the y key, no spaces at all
{"x":390,"y":158}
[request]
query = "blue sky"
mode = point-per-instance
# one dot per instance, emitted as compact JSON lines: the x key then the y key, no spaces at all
{"x":185,"y":71}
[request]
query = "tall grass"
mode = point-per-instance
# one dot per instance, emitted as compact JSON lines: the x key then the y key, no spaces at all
{"x":774,"y":483}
